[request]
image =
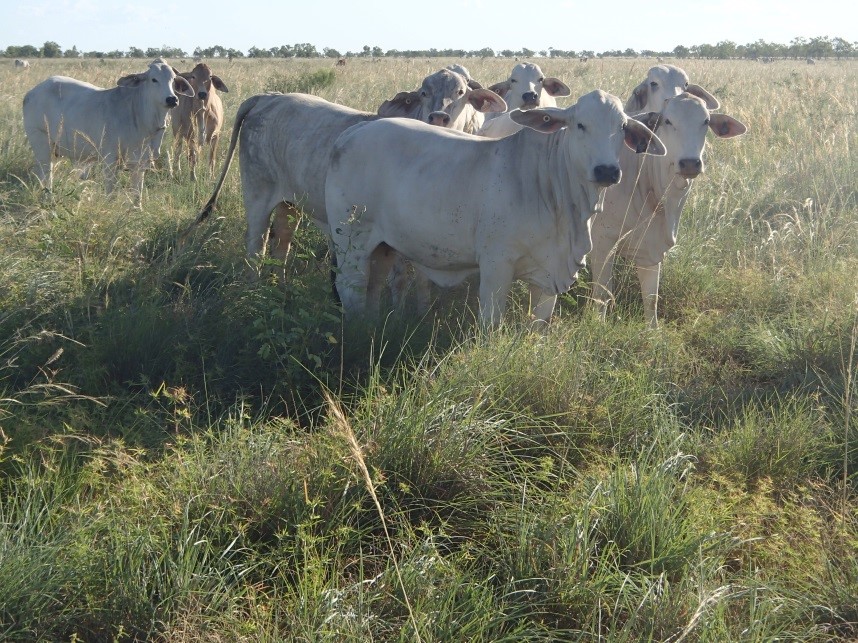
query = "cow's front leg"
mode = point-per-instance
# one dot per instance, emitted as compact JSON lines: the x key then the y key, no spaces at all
{"x":495,"y":283}
{"x":602,"y":293}
{"x":649,"y":278}
{"x":541,"y":304}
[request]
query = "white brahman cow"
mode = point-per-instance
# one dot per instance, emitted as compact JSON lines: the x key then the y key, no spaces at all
{"x":640,"y":216}
{"x":120,"y":126}
{"x":197,"y":120}
{"x":526,"y":88}
{"x":22,"y":64}
{"x":286,"y":141}
{"x":449,"y":98}
{"x":663,"y":82}
{"x":457,"y":205}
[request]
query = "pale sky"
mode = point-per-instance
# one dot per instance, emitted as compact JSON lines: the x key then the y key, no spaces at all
{"x":348,"y":25}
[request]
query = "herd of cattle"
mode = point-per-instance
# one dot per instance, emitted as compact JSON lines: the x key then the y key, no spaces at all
{"x":453,"y":179}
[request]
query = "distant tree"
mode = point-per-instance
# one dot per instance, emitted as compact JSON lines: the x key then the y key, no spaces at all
{"x":71,"y":53}
{"x":305,"y":50}
{"x":485,"y":52}
{"x":136,"y":52}
{"x":630,"y":53}
{"x":51,"y":50}
{"x":377,"y":52}
{"x":506,"y":53}
{"x":234,"y":53}
{"x":680,"y":51}
{"x":842,"y":48}
{"x":526,"y":53}
{"x":327,"y":52}
{"x":583,"y":54}
{"x":22,"y":51}
{"x":94,"y":54}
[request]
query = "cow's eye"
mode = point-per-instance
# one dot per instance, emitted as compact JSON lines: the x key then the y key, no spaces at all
{"x":686,"y":84}
{"x":581,"y":127}
{"x":654,"y":85}
{"x":540,"y":80}
{"x":706,"y":122}
{"x":513,"y":80}
{"x":461,"y":92}
{"x":154,"y":80}
{"x":423,"y":94}
{"x":667,"y":121}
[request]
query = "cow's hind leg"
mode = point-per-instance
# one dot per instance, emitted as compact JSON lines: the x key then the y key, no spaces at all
{"x":381,"y":261}
{"x":282,"y":232}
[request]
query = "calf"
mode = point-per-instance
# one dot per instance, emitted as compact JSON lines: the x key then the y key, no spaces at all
{"x":640,"y":216}
{"x":121,"y":126}
{"x":457,"y":205}
{"x":198,"y":119}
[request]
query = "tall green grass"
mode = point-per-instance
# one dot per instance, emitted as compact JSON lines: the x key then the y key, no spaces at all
{"x":192,"y":450}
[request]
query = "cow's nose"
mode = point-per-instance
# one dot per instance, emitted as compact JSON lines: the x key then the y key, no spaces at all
{"x":530,"y":98}
{"x":202,"y":94}
{"x":606,"y":175}
{"x":172,"y":101}
{"x":442,"y":119}
{"x":690,"y":167}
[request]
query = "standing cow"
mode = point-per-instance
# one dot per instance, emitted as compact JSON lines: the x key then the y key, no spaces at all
{"x":286,"y":140}
{"x":457,"y":205}
{"x":527,"y":87}
{"x":663,"y":82}
{"x":640,"y":216}
{"x":121,"y":126}
{"x":197,"y":120}
{"x":22,"y":64}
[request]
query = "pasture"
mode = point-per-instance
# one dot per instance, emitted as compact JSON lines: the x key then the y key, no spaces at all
{"x":192,"y":451}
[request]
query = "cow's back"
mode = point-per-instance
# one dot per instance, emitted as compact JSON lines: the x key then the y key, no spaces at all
{"x":74,"y":115}
{"x":285,"y":145}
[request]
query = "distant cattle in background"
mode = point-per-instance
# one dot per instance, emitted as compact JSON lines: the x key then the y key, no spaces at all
{"x":121,"y":126}
{"x":22,"y":64}
{"x":341,"y":62}
{"x":198,"y":119}
{"x":810,"y":61}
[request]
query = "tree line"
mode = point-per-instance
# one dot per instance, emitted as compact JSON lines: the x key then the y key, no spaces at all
{"x":819,"y":47}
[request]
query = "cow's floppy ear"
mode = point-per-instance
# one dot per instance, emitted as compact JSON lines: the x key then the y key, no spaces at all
{"x":131,"y":80}
{"x":556,"y":87}
{"x":641,"y":139}
{"x":540,"y":119}
{"x":183,"y":87}
{"x":485,"y":100}
{"x":709,"y":99}
{"x":725,"y":126}
{"x":638,"y":99}
{"x":474,"y":84}
{"x":405,"y":104}
{"x":501,"y":89}
{"x":650,"y":119}
{"x":219,"y":84}
{"x":176,"y":71}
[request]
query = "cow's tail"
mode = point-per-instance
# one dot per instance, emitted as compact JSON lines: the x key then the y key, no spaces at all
{"x":243,"y":110}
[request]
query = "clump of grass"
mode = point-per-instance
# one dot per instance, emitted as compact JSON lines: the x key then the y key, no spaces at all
{"x":305,"y":83}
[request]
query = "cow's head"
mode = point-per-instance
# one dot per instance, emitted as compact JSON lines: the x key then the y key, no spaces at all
{"x":161,"y":82}
{"x":597,"y":128}
{"x":203,"y":81}
{"x":663,"y":82}
{"x":682,"y":124}
{"x":527,"y":87}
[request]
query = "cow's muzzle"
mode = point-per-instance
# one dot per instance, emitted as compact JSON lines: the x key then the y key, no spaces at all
{"x":442,"y":119}
{"x":690,"y":168}
{"x":202,"y":94}
{"x":605,"y":175}
{"x":172,"y":101}
{"x":530,"y":99}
